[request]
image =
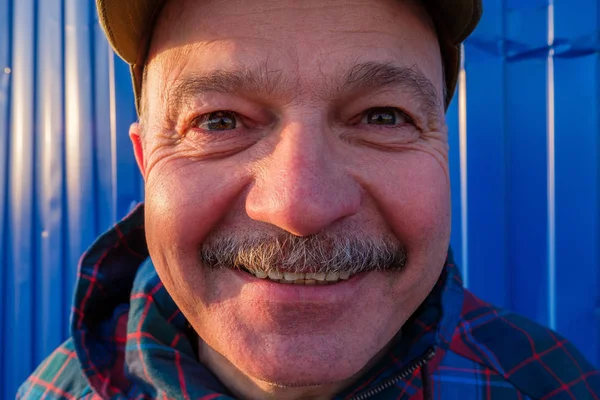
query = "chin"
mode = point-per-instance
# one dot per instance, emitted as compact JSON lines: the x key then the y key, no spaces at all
{"x":304,"y":362}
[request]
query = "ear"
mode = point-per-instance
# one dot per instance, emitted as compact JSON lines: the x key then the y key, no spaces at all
{"x":138,"y":149}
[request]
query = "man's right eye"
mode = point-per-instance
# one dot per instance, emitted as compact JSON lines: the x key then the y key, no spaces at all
{"x":217,"y":121}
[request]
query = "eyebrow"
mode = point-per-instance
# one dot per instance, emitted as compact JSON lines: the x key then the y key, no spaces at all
{"x":360,"y":78}
{"x":261,"y":81}
{"x":374,"y":76}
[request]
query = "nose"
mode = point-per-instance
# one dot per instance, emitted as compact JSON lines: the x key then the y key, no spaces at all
{"x":302,"y":186}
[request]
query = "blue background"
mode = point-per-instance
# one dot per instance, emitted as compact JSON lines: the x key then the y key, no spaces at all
{"x":525,"y":147}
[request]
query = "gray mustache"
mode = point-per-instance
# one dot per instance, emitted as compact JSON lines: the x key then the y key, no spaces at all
{"x":322,"y":252}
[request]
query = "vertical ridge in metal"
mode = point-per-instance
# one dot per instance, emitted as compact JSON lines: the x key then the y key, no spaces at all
{"x":51,"y":319}
{"x":463,"y":151}
{"x":550,"y":126}
{"x":20,"y":343}
{"x":79,"y":129}
{"x":5,"y":104}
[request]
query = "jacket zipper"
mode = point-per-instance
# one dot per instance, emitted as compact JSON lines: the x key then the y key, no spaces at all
{"x":405,"y":373}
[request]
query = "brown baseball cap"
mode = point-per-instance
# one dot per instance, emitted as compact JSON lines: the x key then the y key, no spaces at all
{"x":128,"y":26}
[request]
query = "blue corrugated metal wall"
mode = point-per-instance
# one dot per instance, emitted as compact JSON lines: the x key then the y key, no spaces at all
{"x":525,"y":140}
{"x":525,"y":163}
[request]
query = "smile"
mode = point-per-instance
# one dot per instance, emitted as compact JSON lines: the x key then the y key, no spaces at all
{"x":308,"y":279}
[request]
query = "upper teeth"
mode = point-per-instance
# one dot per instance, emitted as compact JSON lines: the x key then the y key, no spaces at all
{"x":306,"y":279}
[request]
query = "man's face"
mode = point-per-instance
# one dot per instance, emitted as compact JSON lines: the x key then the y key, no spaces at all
{"x":306,"y":137}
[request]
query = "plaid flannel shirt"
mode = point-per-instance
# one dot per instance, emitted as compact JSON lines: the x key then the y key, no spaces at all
{"x":130,"y":341}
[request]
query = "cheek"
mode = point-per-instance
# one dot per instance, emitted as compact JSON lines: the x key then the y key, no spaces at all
{"x":413,"y":195}
{"x":184,"y":201}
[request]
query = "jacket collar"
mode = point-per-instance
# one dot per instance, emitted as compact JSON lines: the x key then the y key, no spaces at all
{"x":132,"y":339}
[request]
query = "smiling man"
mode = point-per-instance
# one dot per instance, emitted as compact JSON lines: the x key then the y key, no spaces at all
{"x":294,"y":240}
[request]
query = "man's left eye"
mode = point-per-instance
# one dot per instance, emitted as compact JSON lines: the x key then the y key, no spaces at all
{"x":385,"y":116}
{"x":217,"y":121}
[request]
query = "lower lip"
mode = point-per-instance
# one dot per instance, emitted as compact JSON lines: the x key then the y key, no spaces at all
{"x":291,"y":293}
